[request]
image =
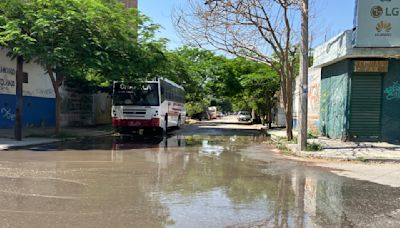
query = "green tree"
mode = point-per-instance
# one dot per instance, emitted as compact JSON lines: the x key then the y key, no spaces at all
{"x":209,"y":78}
{"x":192,"y":68}
{"x":14,"y":27}
{"x":260,"y":89}
{"x":78,"y":37}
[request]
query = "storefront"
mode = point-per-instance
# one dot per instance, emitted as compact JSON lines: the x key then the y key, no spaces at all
{"x":360,"y":99}
{"x":360,"y":76}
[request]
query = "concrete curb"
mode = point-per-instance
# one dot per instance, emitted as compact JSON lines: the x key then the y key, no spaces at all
{"x":6,"y":144}
{"x":324,"y":154}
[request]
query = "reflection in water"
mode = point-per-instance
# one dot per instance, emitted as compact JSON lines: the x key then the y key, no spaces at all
{"x":210,"y":150}
{"x":169,"y":182}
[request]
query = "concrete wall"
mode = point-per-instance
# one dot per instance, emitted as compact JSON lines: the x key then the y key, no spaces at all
{"x":76,"y":108}
{"x":314,"y":94}
{"x":314,"y":87}
{"x":279,"y":118}
{"x":341,"y":47}
{"x":334,"y":100}
{"x":84,"y":109}
{"x":39,"y":97}
{"x":102,"y":105}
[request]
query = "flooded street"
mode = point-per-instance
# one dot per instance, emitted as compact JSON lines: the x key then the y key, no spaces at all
{"x":193,"y":178}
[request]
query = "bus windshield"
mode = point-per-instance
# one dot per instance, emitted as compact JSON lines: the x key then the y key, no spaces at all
{"x":146,"y":95}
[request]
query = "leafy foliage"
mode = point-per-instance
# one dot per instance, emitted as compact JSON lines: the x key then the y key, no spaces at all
{"x":98,"y":40}
{"x":211,"y":80}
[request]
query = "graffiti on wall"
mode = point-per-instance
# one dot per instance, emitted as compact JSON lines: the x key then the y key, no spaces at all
{"x":44,"y":92}
{"x":314,"y":98}
{"x":6,"y":84}
{"x":393,"y":92}
{"x":7,"y":70}
{"x":7,"y":114}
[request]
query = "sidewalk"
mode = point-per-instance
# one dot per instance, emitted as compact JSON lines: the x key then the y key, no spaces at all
{"x":228,"y":122}
{"x":345,"y":151}
{"x":36,"y":136}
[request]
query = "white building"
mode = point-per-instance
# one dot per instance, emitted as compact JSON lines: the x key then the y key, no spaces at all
{"x":39,"y":96}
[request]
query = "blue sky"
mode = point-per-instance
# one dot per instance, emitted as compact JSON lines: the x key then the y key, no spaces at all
{"x":333,"y":16}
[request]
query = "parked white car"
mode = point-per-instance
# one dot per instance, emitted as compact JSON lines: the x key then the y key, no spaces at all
{"x":244,"y":116}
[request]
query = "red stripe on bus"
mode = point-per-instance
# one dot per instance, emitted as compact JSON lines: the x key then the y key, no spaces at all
{"x":136,"y":123}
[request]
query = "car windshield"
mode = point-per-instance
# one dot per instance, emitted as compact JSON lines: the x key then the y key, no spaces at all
{"x":243,"y":113}
{"x":145,"y":95}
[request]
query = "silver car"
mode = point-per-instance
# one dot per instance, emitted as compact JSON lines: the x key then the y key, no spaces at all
{"x":244,"y":116}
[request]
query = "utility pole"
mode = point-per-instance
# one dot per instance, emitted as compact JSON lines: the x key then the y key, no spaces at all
{"x":302,"y":138}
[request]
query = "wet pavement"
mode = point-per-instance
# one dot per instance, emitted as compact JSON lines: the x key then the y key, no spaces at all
{"x":195,"y":177}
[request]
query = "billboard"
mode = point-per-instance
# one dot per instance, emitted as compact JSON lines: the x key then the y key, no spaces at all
{"x":377,"y":23}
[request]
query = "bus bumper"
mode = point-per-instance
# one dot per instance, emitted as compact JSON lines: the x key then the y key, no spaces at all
{"x":129,"y":126}
{"x":136,"y":123}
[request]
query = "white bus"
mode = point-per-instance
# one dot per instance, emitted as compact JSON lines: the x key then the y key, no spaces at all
{"x":156,"y":105}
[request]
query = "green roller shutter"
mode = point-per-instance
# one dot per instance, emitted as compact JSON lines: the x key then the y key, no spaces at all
{"x":365,"y":106}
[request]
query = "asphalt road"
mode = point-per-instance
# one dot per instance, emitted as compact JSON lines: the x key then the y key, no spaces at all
{"x":200,"y":176}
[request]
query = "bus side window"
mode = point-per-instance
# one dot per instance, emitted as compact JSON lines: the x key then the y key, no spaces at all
{"x":162,"y":93}
{"x":175,"y":95}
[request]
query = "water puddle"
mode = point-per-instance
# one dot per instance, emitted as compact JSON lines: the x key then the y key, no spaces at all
{"x":182,"y":181}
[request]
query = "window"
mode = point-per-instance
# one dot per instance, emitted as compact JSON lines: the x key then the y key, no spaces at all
{"x":26,"y":80}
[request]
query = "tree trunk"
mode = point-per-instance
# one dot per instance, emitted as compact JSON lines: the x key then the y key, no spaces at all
{"x":270,"y":118}
{"x":19,"y":78}
{"x":56,"y":84}
{"x":288,"y":104}
{"x":58,"y":112}
{"x":289,"y":117}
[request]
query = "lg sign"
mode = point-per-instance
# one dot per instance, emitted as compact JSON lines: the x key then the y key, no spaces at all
{"x":377,"y":23}
{"x":377,"y":11}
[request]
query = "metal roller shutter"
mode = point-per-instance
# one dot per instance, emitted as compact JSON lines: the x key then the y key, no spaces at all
{"x":365,"y":106}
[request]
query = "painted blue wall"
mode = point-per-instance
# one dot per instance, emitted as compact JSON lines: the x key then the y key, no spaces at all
{"x":38,"y":112}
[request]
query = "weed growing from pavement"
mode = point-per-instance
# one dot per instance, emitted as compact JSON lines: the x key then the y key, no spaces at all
{"x":311,"y":135}
{"x":281,"y":143}
{"x":314,"y":147}
{"x":361,"y":159}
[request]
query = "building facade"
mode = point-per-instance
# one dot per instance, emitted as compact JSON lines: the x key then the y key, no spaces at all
{"x":39,"y":97}
{"x":314,"y":90}
{"x":360,"y":90}
{"x":130,"y":3}
{"x":359,"y":83}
